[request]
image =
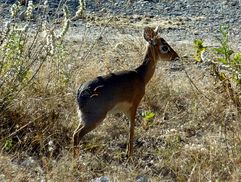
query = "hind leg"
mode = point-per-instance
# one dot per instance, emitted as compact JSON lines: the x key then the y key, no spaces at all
{"x":88,"y":123}
{"x":79,"y":133}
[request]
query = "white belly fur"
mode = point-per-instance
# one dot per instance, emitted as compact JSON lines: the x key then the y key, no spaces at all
{"x":121,"y":107}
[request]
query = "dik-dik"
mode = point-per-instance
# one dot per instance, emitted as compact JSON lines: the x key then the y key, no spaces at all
{"x":120,"y":91}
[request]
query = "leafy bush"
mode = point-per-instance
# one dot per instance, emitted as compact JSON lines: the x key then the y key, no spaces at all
{"x":226,"y":63}
{"x":222,"y":57}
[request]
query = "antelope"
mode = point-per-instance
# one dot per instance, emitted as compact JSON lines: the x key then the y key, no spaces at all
{"x":120,"y":91}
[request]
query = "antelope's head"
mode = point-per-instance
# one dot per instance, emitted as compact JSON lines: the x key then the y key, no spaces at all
{"x":161,"y":48}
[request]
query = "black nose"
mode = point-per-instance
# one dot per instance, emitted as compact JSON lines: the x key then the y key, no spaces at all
{"x":176,"y":59}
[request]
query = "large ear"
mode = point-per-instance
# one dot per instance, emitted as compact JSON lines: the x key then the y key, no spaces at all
{"x":149,"y":34}
{"x":157,"y":29}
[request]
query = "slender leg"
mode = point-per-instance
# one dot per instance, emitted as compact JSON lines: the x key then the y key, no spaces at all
{"x":79,"y":133}
{"x":90,"y":123}
{"x":131,"y":134}
{"x":75,"y":138}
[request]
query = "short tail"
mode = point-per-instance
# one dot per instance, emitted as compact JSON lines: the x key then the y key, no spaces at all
{"x":83,"y":95}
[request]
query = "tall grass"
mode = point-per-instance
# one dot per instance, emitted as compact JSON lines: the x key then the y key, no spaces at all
{"x":33,"y":66}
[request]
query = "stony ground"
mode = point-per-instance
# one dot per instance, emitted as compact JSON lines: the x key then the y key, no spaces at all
{"x":182,"y":20}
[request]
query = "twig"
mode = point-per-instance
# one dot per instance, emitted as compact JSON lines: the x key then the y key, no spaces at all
{"x":191,"y":174}
{"x":194,"y":86}
{"x":15,"y":132}
{"x":192,"y":83}
{"x":164,"y":112}
{"x":21,"y":128}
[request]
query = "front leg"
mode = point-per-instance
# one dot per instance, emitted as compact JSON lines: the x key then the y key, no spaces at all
{"x":132,"y":116}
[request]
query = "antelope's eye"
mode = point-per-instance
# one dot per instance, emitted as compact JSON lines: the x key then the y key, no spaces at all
{"x":164,"y":49}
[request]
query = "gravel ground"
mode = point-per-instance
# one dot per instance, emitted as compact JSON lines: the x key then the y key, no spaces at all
{"x":197,"y":18}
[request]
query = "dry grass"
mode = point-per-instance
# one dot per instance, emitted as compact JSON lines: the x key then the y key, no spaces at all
{"x":193,"y":137}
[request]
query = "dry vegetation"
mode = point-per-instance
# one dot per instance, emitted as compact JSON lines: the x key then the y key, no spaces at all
{"x":194,"y":136}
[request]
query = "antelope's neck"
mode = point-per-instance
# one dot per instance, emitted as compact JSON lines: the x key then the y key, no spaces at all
{"x":147,"y":68}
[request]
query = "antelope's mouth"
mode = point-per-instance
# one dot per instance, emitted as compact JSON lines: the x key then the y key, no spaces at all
{"x":176,"y":65}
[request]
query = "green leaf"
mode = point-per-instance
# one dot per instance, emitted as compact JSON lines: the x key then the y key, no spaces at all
{"x":237,"y":58}
{"x":230,"y":52}
{"x":220,"y":50}
{"x":198,"y":45}
{"x":147,"y":115}
{"x":8,"y":144}
{"x":222,"y":60}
